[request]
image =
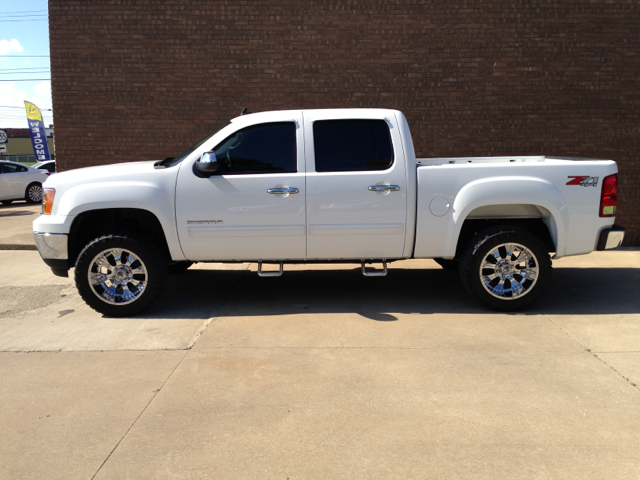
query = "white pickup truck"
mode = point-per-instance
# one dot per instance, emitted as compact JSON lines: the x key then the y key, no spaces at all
{"x":340,"y":185}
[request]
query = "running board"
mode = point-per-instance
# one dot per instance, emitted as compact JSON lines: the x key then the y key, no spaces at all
{"x":375,"y":273}
{"x":269,"y":274}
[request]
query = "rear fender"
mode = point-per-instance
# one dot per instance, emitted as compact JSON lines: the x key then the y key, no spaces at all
{"x":511,"y":191}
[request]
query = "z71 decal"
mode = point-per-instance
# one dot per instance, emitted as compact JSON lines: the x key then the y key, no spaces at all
{"x":583,"y":181}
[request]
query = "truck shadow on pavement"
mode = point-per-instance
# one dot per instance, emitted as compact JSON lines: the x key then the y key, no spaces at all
{"x":15,"y":213}
{"x":225,"y":293}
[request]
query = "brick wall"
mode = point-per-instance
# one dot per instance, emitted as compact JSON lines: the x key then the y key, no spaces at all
{"x":144,"y":79}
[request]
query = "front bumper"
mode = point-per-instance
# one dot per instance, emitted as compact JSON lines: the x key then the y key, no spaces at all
{"x":610,"y":237}
{"x":53,"y":248}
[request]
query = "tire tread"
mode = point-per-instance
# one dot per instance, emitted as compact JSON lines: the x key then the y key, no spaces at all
{"x":468,"y":273}
{"x":155,"y":262}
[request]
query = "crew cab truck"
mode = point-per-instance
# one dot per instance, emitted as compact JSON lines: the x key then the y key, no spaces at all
{"x":339,"y":185}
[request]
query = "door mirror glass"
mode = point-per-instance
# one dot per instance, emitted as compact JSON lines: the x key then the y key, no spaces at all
{"x":208,"y":163}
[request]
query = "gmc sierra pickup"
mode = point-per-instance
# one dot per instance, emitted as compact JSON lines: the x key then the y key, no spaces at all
{"x":339,"y":185}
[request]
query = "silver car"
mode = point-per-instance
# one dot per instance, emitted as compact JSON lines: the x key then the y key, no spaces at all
{"x":19,"y":182}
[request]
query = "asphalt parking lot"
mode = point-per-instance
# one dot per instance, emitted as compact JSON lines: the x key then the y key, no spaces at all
{"x":321,"y":374}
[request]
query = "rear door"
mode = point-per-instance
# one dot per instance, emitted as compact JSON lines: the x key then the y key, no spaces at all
{"x":356,"y":185}
{"x":254,"y":208}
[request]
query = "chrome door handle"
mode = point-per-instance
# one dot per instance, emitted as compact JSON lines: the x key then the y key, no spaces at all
{"x":282,"y":191}
{"x":383,"y":188}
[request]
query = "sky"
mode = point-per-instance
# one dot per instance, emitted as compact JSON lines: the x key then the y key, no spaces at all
{"x":24,"y":55}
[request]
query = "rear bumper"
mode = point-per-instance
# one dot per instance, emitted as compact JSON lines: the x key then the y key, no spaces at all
{"x":54,"y":252}
{"x":610,"y":237}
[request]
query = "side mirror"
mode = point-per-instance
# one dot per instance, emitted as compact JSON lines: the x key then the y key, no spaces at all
{"x":208,"y":164}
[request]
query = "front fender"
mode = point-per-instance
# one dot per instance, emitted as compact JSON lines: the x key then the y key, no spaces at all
{"x":119,"y":194}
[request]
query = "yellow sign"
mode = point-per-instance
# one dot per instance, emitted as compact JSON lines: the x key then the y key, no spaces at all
{"x":33,"y":112}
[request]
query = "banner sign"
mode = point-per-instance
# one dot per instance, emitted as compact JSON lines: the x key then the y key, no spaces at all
{"x":38,"y":133}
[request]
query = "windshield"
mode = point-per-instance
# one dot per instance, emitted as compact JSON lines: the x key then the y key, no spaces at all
{"x":171,"y":161}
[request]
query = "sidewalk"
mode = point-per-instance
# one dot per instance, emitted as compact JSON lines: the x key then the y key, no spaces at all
{"x":16,"y":232}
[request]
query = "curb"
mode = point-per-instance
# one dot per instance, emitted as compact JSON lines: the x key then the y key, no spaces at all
{"x":16,"y":246}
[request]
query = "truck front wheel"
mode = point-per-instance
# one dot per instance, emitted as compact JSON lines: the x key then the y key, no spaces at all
{"x":505,"y":268}
{"x":121,"y":274}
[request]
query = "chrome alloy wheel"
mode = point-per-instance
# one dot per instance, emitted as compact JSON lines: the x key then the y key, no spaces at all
{"x":509,"y":271}
{"x":117,"y":277}
{"x":35,"y":193}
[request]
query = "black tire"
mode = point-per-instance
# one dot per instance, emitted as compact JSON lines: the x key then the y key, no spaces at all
{"x":33,"y":193}
{"x":7,"y":202}
{"x":179,"y":267}
{"x":149,"y":259}
{"x":451,"y":265}
{"x":514,"y":285}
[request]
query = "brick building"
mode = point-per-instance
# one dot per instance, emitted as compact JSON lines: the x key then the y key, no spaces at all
{"x":145,"y":79}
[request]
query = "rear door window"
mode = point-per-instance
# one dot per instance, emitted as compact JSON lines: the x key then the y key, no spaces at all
{"x":352,"y":145}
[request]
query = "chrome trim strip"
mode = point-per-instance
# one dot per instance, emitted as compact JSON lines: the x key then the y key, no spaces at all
{"x":52,"y":245}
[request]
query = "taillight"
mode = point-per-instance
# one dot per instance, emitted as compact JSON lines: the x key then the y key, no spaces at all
{"x":47,"y":204}
{"x":609,"y":198}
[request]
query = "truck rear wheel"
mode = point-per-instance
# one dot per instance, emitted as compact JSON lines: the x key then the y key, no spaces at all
{"x":505,"y":268}
{"x":121,"y":274}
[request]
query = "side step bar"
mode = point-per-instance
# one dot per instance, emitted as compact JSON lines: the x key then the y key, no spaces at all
{"x":375,"y":273}
{"x":365,"y":272}
{"x":269,"y":274}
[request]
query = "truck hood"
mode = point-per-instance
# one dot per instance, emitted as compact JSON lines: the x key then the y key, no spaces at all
{"x":124,"y":185}
{"x":115,"y":172}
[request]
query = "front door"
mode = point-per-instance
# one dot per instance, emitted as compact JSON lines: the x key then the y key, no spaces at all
{"x":254,"y":209}
{"x":356,"y":186}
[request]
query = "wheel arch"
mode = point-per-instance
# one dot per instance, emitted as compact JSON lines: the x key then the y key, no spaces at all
{"x":471,"y":227}
{"x":91,"y":224}
{"x":531,"y":204}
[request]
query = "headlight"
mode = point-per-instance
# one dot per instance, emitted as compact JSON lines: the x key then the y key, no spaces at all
{"x":47,"y":204}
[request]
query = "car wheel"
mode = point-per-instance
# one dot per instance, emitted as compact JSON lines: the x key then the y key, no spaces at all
{"x":33,"y":194}
{"x":121,"y":274}
{"x":7,"y":202}
{"x":505,"y":268}
{"x":179,"y":267}
{"x":451,"y":265}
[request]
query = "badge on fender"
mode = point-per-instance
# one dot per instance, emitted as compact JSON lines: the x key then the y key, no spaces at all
{"x":583,"y":181}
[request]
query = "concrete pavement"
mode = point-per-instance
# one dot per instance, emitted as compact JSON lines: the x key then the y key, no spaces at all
{"x":322,"y":373}
{"x":16,"y":219}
